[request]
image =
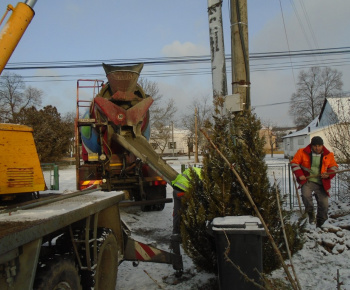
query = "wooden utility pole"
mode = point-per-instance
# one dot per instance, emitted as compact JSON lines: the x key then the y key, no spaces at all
{"x":172,"y":136}
{"x":196,"y":136}
{"x":239,"y":51}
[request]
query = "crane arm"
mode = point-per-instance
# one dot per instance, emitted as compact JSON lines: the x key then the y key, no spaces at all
{"x":14,"y":28}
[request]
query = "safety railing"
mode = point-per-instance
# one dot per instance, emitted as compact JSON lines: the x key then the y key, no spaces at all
{"x":51,"y":175}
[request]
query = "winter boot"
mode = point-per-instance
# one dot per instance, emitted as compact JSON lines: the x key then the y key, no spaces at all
{"x":312,"y":218}
{"x":319,"y":223}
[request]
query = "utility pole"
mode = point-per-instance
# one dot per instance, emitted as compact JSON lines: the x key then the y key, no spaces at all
{"x":196,"y":136}
{"x":172,"y":135}
{"x":240,"y":51}
{"x":217,"y":49}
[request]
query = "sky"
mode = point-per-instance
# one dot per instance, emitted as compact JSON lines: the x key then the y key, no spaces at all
{"x":315,"y":266}
{"x":91,"y":32}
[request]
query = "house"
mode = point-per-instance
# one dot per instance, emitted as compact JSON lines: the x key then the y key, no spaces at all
{"x":330,"y":115}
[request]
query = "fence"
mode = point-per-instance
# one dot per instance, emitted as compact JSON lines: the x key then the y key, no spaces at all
{"x":284,"y":180}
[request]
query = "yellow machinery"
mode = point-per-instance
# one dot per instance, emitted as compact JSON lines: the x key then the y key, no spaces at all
{"x":20,"y":170}
{"x":13,"y":30}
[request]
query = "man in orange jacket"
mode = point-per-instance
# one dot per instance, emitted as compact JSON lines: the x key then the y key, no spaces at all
{"x":312,"y":167}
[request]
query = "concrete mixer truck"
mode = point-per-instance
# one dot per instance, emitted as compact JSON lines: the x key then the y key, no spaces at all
{"x":112,"y":148}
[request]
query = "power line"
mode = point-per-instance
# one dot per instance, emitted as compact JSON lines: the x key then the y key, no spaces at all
{"x":260,"y":62}
{"x":300,"y":23}
{"x":286,"y":35}
{"x":282,"y":66}
{"x":309,"y":23}
{"x":169,"y":60}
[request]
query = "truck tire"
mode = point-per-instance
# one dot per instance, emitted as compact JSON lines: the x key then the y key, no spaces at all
{"x":56,"y":275}
{"x":157,"y":192}
{"x":104,"y":277}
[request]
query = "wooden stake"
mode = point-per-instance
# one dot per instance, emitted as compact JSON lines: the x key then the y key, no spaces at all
{"x":296,"y":191}
{"x":284,"y":232}
{"x":155,"y":281}
{"x":333,"y":172}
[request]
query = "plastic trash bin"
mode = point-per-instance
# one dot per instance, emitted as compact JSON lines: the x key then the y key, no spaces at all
{"x":244,"y":239}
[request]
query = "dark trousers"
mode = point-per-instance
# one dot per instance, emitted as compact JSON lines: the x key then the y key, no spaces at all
{"x":177,"y":195}
{"x":321,"y":198}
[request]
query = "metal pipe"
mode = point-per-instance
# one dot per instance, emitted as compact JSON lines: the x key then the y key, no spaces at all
{"x":30,"y":3}
{"x":13,"y":30}
{"x":145,"y":202}
{"x":217,"y":49}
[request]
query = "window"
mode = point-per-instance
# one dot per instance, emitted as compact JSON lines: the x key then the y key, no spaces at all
{"x":172,"y":145}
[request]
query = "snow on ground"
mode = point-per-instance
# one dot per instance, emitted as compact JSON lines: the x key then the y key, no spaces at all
{"x":325,"y":254}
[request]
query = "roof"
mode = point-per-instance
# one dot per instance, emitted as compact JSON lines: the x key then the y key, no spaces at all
{"x":338,"y":105}
{"x":314,"y":126}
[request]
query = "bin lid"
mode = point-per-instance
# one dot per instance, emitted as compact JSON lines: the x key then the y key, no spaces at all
{"x":245,"y":222}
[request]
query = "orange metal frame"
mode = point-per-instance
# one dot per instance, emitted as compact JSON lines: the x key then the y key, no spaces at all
{"x":96,"y":86}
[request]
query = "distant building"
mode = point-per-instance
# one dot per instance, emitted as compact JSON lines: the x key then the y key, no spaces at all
{"x":328,"y":117}
{"x":176,"y":146}
{"x":270,"y":138}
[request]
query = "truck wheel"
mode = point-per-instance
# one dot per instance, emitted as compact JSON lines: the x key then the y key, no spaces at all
{"x":104,"y":277}
{"x":56,"y":275}
{"x":155,"y":193}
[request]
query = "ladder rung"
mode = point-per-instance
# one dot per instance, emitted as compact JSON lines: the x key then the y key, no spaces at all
{"x":84,"y":121}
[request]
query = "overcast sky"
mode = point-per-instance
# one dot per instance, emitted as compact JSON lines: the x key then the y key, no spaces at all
{"x":114,"y":31}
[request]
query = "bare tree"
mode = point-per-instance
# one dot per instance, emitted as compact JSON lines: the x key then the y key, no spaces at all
{"x":338,"y":133}
{"x":313,"y":87}
{"x":14,"y":96}
{"x":161,"y":136}
{"x":162,"y":114}
{"x":267,"y":132}
{"x":338,"y":136}
{"x":205,"y":111}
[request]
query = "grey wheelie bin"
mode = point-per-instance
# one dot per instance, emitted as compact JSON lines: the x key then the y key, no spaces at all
{"x":238,"y":238}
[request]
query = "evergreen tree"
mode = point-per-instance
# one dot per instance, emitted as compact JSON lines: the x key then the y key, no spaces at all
{"x":219,"y":193}
{"x":52,"y":134}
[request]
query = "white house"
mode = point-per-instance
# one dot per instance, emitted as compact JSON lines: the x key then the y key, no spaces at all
{"x":330,"y":111}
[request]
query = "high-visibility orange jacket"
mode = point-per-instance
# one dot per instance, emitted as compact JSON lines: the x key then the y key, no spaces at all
{"x":301,"y":165}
